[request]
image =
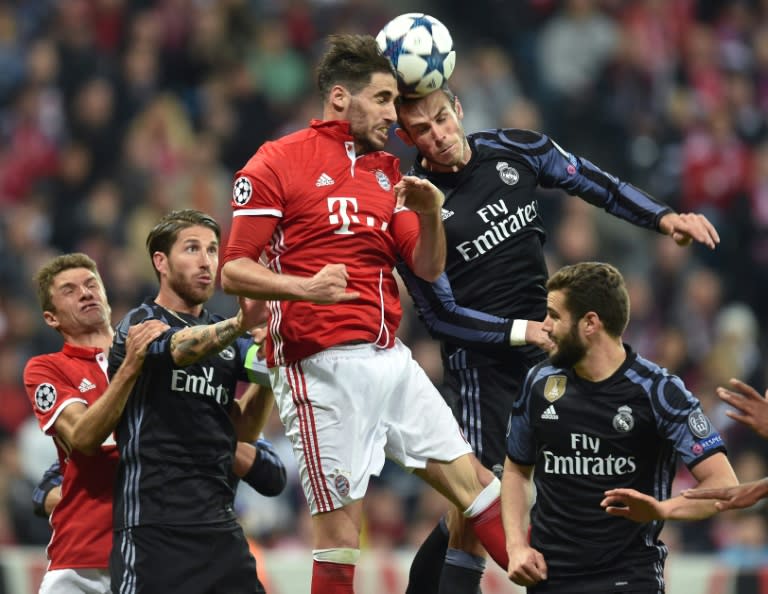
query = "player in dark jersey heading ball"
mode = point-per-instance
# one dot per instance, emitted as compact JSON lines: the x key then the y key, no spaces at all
{"x":487,"y":307}
{"x":175,"y":526}
{"x":599,"y":430}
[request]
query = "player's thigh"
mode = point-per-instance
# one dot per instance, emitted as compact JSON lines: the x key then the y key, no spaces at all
{"x":75,"y":581}
{"x":331,"y":405}
{"x":481,"y":399}
{"x":420,"y":425}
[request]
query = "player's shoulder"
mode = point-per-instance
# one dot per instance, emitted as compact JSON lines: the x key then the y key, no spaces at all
{"x":515,"y":139}
{"x":148,"y":310}
{"x":43,"y":361}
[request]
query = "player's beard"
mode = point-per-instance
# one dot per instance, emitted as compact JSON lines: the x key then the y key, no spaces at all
{"x":569,"y":349}
{"x":189,"y":294}
{"x":360,"y":128}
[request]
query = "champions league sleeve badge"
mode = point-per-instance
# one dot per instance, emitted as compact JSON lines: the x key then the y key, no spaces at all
{"x":242,"y":191}
{"x":45,"y":397}
{"x":699,"y":424}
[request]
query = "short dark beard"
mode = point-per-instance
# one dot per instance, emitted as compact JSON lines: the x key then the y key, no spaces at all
{"x":570,"y":350}
{"x":188,"y":295}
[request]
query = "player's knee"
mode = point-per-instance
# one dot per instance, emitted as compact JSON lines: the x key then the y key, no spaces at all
{"x":346,"y":556}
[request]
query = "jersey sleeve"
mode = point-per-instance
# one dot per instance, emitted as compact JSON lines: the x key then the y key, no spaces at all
{"x":257,"y":192}
{"x":405,"y":232}
{"x":521,"y":446}
{"x":49,"y":392}
{"x":681,"y":420}
{"x":446,"y":320}
{"x":557,"y":168}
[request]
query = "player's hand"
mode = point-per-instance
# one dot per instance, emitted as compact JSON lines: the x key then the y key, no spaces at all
{"x":253,"y":312}
{"x":419,"y":195}
{"x":526,"y":565}
{"x":632,"y":505}
{"x":736,"y":497}
{"x":534,"y":334}
{"x":259,"y":336}
{"x":687,"y":227}
{"x":138,"y":340}
{"x":751,"y":407}
{"x":329,"y":285}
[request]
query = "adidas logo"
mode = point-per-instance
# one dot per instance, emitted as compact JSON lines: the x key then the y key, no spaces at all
{"x":86,"y":385}
{"x":324,"y":180}
{"x":446,"y":214}
{"x":550,"y":414}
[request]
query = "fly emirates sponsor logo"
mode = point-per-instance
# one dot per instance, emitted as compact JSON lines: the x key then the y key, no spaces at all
{"x":503,"y":224}
{"x":199,"y":385}
{"x":585,"y":460}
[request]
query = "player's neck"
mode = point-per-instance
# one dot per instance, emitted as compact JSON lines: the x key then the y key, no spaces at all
{"x":602,"y":360}
{"x":175,"y":304}
{"x":100,"y":338}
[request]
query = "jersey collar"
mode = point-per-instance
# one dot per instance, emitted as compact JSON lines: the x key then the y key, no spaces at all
{"x":81,"y":352}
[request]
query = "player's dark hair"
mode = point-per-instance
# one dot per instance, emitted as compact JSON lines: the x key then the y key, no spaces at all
{"x":351,"y":61}
{"x":44,"y":277}
{"x":164,"y":234}
{"x":444,"y":89}
{"x":597,"y":287}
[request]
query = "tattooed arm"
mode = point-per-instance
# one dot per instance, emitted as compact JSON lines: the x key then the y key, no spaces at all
{"x":197,"y":342}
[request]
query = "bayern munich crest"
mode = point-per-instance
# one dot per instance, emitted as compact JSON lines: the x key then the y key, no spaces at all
{"x":242,"y":191}
{"x":383,"y":180}
{"x":624,"y":422}
{"x":45,"y":397}
{"x":342,"y":485}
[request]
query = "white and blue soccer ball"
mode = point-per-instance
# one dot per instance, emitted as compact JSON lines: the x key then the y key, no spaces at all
{"x":421,"y":49}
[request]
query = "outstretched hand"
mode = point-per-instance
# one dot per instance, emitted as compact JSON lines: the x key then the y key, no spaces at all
{"x":632,"y":505}
{"x":736,"y":497}
{"x":751,"y":407}
{"x":419,"y":195}
{"x":687,"y":227}
{"x":254,"y":312}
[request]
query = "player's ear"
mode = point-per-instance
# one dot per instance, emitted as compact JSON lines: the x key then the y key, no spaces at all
{"x":339,"y":98}
{"x":403,"y":135}
{"x":458,"y":108}
{"x":51,"y":319}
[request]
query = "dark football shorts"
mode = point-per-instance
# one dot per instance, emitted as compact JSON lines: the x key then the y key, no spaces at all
{"x":481,"y":399}
{"x":211,"y":559}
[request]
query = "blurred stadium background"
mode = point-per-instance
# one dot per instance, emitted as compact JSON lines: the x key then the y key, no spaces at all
{"x":114,"y":111}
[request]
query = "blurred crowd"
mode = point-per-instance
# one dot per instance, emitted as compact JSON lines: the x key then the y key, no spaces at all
{"x":112,"y":112}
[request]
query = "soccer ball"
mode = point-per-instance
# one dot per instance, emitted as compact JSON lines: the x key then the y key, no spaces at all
{"x":421,"y":50}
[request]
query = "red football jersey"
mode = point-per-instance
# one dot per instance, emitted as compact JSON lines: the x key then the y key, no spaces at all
{"x":332,"y":206}
{"x":82,"y":521}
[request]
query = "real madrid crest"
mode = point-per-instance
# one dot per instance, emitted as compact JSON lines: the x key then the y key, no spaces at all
{"x":508,"y":174}
{"x":623,"y":422}
{"x":555,"y":387}
{"x":383,"y":180}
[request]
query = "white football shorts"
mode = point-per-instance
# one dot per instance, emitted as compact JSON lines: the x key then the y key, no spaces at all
{"x":76,"y":581}
{"x":348,"y":408}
